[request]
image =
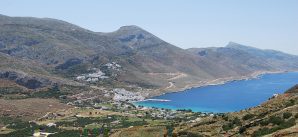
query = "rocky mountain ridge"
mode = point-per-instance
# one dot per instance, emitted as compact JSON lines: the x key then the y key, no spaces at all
{"x":59,"y":52}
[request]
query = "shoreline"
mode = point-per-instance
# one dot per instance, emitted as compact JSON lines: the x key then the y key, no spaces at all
{"x":219,"y":81}
{"x":255,"y":75}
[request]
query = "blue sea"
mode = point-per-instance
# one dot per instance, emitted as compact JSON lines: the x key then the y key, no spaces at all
{"x":229,"y":97}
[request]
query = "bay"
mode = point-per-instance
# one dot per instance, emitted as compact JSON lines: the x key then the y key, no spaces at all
{"x":229,"y":97}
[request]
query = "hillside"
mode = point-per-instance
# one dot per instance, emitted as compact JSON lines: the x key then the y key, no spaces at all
{"x":41,"y":52}
{"x":276,"y":117}
{"x":247,"y":59}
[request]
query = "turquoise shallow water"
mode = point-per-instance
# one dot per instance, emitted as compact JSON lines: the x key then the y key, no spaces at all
{"x":229,"y":97}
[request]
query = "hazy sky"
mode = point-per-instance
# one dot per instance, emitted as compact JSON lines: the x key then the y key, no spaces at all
{"x":266,"y":24}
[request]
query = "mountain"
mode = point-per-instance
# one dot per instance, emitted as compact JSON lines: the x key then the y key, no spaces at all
{"x":40,"y":52}
{"x":248,"y":59}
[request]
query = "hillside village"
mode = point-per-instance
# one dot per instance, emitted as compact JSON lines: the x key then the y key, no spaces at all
{"x":58,"y":79}
{"x":98,"y":74}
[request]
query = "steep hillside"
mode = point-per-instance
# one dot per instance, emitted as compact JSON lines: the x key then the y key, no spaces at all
{"x":248,"y":59}
{"x":52,"y":52}
{"x":276,"y":117}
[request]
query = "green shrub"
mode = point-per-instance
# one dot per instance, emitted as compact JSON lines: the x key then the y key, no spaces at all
{"x":226,"y":118}
{"x":282,"y":125}
{"x":261,"y":132}
{"x":170,"y":129}
{"x":231,"y":124}
{"x":236,"y":121}
{"x":53,"y":92}
{"x":290,"y":103}
{"x":6,"y":120}
{"x":287,"y":115}
{"x":287,"y":124}
{"x":248,"y":116}
{"x":242,"y":129}
{"x":193,"y":135}
{"x":126,"y":124}
{"x":21,"y":133}
{"x":275,"y":120}
{"x":18,"y":125}
{"x":227,"y":127}
{"x":296,"y":115}
{"x":264,"y":123}
{"x":188,"y":134}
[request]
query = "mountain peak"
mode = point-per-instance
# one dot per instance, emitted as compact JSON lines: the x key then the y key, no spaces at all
{"x":132,"y":29}
{"x":129,"y":28}
{"x":132,"y":32}
{"x":235,"y":45}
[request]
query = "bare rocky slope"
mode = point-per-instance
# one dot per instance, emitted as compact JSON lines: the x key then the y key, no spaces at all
{"x":42,"y":52}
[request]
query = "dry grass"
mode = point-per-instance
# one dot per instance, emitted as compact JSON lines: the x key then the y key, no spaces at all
{"x":30,"y":109}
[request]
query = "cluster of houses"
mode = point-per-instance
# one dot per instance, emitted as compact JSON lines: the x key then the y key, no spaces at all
{"x":98,"y":74}
{"x":121,"y":94}
{"x":164,"y":114}
{"x":92,"y":77}
{"x":113,"y":65}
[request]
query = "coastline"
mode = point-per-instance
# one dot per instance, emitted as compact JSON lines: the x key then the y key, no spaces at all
{"x":219,"y":81}
{"x":254,"y":76}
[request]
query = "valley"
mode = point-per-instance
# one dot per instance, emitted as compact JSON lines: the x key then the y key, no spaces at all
{"x":275,"y":117}
{"x":59,"y":79}
{"x":37,"y":53}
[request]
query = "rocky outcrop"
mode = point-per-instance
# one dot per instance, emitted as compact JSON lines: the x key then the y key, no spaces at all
{"x":25,"y":80}
{"x":293,"y":90}
{"x":69,"y":63}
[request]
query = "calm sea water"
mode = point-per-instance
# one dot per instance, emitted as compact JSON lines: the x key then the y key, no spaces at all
{"x":229,"y":97}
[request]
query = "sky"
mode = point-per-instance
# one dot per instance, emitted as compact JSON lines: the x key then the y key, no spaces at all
{"x":265,"y":24}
